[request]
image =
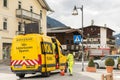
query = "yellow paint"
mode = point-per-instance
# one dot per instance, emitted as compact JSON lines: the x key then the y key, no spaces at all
{"x":30,"y":46}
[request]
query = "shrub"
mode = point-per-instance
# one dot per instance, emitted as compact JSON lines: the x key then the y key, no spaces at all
{"x":91,"y":63}
{"x":109,"y":62}
{"x":118,"y":60}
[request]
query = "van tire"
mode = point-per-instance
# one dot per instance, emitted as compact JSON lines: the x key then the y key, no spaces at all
{"x":20,"y":75}
{"x":65,"y":70}
{"x":46,"y":74}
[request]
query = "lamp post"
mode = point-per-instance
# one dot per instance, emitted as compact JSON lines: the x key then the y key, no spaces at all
{"x":75,"y":12}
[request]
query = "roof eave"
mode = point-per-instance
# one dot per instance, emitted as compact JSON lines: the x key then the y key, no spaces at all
{"x":46,"y":5}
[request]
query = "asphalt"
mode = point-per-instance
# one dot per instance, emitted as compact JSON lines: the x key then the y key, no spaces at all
{"x":82,"y":75}
{"x":76,"y":75}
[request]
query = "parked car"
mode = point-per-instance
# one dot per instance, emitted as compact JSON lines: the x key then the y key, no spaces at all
{"x":101,"y":62}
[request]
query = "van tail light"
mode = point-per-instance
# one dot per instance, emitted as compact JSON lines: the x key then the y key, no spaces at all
{"x":39,"y":59}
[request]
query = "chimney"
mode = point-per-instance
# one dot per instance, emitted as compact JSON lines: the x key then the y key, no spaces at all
{"x":105,"y":25}
{"x":92,"y":22}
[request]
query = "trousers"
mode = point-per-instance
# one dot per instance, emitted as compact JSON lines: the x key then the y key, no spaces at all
{"x":70,"y":67}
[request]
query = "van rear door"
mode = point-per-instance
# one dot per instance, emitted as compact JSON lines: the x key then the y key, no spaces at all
{"x":25,"y":53}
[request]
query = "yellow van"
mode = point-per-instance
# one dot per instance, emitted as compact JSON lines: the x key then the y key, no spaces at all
{"x":32,"y":53}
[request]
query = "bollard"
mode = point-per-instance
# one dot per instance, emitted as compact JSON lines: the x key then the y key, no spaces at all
{"x":107,"y":76}
{"x":102,"y":77}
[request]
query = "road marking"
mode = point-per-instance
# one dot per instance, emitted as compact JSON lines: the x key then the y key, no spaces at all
{"x":80,"y":63}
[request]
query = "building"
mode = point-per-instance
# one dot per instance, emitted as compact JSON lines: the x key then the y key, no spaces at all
{"x":65,"y":36}
{"x":98,"y":40}
{"x":98,"y":37}
{"x":14,"y":14}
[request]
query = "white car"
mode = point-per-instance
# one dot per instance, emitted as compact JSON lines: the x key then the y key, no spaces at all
{"x":101,"y":62}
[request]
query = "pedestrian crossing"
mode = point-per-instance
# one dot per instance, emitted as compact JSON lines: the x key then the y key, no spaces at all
{"x":85,"y":63}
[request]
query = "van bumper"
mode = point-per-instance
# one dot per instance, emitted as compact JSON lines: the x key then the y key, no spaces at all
{"x":27,"y":71}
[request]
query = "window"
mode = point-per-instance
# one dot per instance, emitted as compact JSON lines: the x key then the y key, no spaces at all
{"x":19,"y":26}
{"x":67,"y":41}
{"x":71,"y":41}
{"x":91,"y":39}
{"x":5,"y":3}
{"x":19,"y":5}
{"x":31,"y":8}
{"x":98,"y":40}
{"x":46,"y":48}
{"x":91,"y":29}
{"x":87,"y":40}
{"x":40,"y":14}
{"x":61,"y":50}
{"x":5,"y":24}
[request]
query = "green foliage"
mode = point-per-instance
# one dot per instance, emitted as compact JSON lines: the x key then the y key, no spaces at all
{"x":91,"y":63}
{"x":109,"y":62}
{"x":118,"y":60}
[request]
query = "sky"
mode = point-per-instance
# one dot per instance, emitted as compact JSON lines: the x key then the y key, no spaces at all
{"x":101,"y":11}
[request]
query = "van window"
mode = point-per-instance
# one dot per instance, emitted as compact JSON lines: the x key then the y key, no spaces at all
{"x":46,"y":48}
{"x":114,"y":57}
{"x":61,"y":50}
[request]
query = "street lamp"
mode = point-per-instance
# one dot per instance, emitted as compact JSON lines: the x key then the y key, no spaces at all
{"x":75,"y":12}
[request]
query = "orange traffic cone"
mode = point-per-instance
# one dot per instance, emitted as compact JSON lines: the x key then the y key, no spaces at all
{"x":62,"y":73}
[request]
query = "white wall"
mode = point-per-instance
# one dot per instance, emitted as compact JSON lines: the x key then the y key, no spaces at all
{"x":10,"y":14}
{"x":103,"y":35}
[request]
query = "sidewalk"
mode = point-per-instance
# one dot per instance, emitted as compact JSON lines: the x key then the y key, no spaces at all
{"x":98,"y":75}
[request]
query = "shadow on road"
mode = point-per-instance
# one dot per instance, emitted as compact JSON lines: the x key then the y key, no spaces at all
{"x":35,"y":76}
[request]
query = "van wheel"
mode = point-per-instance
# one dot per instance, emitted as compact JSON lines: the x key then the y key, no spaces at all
{"x":20,"y":75}
{"x":46,"y":74}
{"x":65,"y":70}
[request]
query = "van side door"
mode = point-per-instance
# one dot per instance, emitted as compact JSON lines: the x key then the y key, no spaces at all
{"x":49,"y":57}
{"x":62,"y":58}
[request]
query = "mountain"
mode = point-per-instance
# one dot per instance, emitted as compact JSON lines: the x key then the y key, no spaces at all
{"x":54,"y":23}
{"x":117,"y":37}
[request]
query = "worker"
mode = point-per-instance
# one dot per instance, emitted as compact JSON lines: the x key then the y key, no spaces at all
{"x":70,"y":60}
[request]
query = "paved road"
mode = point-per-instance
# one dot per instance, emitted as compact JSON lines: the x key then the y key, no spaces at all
{"x":6,"y":74}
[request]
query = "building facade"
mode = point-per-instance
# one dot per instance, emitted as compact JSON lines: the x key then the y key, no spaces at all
{"x":14,"y":14}
{"x":97,"y":40}
{"x":66,"y":37}
{"x":98,"y":37}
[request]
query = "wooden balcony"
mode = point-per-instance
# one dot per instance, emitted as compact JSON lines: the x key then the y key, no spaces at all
{"x":91,"y":42}
{"x":28,"y":15}
{"x":20,"y":32}
{"x":71,"y":47}
{"x":111,"y":42}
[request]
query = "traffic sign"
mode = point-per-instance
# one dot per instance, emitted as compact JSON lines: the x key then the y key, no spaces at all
{"x":77,"y":38}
